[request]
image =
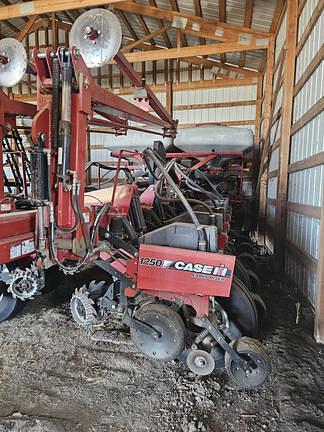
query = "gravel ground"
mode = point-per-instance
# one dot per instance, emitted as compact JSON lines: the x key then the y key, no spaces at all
{"x":54,"y":379}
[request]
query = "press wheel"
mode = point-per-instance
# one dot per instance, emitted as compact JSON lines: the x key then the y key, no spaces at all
{"x":259,"y":362}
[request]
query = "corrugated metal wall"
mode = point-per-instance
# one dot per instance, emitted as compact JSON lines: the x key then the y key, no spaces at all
{"x":305,"y":187}
{"x":306,"y":166}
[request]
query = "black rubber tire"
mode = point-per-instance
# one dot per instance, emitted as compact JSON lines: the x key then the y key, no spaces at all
{"x":242,"y":273}
{"x":261,"y":306}
{"x":9,"y":306}
{"x":244,"y":247}
{"x":241,"y":309}
{"x":248,"y":261}
{"x":167,"y":317}
{"x":252,"y":351}
{"x":255,"y":283}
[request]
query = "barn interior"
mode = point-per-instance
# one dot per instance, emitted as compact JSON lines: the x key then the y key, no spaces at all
{"x":161,"y":216}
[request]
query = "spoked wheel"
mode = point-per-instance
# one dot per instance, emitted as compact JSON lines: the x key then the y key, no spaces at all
{"x":169,"y":342}
{"x":241,"y":309}
{"x":258,"y":360}
{"x":9,"y":306}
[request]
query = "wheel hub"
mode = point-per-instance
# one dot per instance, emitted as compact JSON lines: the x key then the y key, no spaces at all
{"x":200,"y":362}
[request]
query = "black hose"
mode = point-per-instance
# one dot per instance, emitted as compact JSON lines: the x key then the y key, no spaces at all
{"x":201,"y":232}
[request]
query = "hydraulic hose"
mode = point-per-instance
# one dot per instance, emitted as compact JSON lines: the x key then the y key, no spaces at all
{"x":201,"y":232}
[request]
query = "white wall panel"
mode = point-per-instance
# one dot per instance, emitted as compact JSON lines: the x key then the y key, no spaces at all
{"x":303,"y":232}
{"x":274,"y":160}
{"x":311,"y":47}
{"x":306,"y":186}
{"x":305,"y":16}
{"x":312,"y":91}
{"x":303,"y":277}
{"x":309,"y":140}
{"x":272,"y":187}
{"x":281,"y":36}
{"x":269,"y":242}
{"x":275,"y":131}
{"x":271,"y":214}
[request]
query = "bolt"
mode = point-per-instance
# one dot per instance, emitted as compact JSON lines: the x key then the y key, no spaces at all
{"x":86,"y":83}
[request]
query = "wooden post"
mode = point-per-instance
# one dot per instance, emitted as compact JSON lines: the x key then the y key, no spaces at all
{"x":54,"y":32}
{"x":169,"y":98}
{"x":319,"y":305}
{"x":266,"y":123}
{"x":286,"y":120}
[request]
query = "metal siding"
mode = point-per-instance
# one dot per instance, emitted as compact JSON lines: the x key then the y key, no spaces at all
{"x":272,"y":187}
{"x":305,"y":16}
{"x":271,"y":214}
{"x":303,"y":277}
{"x":309,"y":140}
{"x":303,"y":232}
{"x":274,"y":160}
{"x":311,"y":92}
{"x":301,"y":188}
{"x":281,"y":36}
{"x":311,"y":47}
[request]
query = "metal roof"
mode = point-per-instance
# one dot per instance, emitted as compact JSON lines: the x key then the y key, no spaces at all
{"x":262,"y":16}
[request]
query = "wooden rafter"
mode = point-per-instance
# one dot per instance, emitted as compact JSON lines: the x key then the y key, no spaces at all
{"x":192,"y":51}
{"x":146,"y":38}
{"x":124,"y":19}
{"x":193,"y":24}
{"x":198,"y":12}
{"x":41,"y":7}
{"x":247,"y":23}
{"x":175,"y":7}
{"x":164,"y":35}
{"x":20,"y":36}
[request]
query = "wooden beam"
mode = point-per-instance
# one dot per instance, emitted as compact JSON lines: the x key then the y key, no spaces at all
{"x":310,"y":26}
{"x":164,"y":35}
{"x":198,"y":50}
{"x":310,"y":162}
{"x":21,"y":35}
{"x":169,"y":97}
{"x":198,"y":12}
{"x":161,"y":88}
{"x":310,"y":211}
{"x":224,"y":123}
{"x":175,"y":7}
{"x":149,"y":36}
{"x":286,"y":112}
{"x":200,"y":27}
{"x":247,"y":23}
{"x":40,"y":7}
{"x":313,"y":65}
{"x":222,"y":19}
{"x":266,"y":126}
{"x":214,"y":105}
{"x":314,"y":111}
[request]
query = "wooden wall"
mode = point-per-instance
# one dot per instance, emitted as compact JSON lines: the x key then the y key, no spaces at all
{"x":292,"y":165}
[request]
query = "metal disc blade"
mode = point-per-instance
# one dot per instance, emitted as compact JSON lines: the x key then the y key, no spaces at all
{"x":13,"y":69}
{"x":97,"y":34}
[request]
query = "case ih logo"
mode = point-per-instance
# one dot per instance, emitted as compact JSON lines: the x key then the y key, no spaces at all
{"x":218,"y":272}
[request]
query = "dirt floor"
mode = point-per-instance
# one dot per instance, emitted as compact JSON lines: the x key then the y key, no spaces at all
{"x":54,"y":379}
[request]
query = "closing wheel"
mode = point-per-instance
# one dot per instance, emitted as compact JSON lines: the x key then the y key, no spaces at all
{"x":170,"y":342}
{"x":200,"y":362}
{"x":258,"y":360}
{"x":241,"y":309}
{"x":9,"y":306}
